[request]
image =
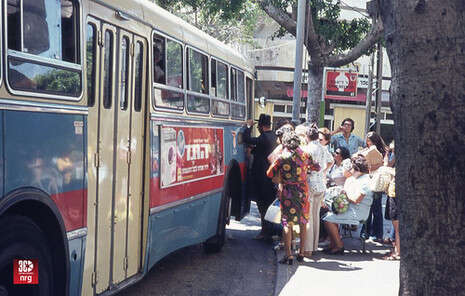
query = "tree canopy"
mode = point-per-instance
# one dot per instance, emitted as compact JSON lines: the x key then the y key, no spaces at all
{"x":228,"y":21}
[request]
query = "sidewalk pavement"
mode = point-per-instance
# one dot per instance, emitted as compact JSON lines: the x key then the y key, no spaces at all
{"x":353,"y":273}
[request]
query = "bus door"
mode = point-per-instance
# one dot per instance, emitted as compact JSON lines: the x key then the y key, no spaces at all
{"x":106,"y":101}
{"x":129,"y":151}
{"x":137,"y":151}
{"x":118,"y":158}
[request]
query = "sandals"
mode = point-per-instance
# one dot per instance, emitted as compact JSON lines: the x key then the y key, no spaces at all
{"x":391,"y":257}
{"x":300,"y":257}
{"x":287,"y":260}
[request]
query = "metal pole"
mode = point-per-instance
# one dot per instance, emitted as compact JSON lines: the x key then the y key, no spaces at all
{"x":322,"y":103}
{"x":298,"y":61}
{"x":369,"y":92}
{"x":379,"y":85}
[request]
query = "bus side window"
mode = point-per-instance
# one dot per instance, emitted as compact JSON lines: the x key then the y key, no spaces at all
{"x":174,"y":64}
{"x":138,"y":56}
{"x":197,"y":82}
{"x":249,"y":97}
{"x":91,"y":46}
{"x":168,"y":70}
{"x":233,"y":84}
{"x":108,"y":70}
{"x":49,"y":30}
{"x":238,"y":89}
{"x":219,"y":78}
{"x":159,"y":60}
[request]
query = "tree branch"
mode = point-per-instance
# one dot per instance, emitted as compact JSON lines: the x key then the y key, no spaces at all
{"x":280,"y":16}
{"x":370,"y":39}
{"x":312,"y":43}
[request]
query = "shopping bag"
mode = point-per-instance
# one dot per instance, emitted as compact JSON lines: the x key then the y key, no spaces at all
{"x":381,"y":178}
{"x":273,"y":213}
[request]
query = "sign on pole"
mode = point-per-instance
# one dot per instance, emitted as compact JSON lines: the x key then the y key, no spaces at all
{"x":340,"y":83}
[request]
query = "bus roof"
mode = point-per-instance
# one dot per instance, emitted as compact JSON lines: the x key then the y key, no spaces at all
{"x":175,"y":27}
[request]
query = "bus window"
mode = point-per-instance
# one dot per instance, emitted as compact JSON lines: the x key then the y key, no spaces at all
{"x":233,"y":84}
{"x":123,"y":104}
{"x":108,"y":70}
{"x":213,"y":91}
{"x":167,"y":70}
{"x":249,"y":94}
{"x":138,"y":56}
{"x":238,"y":88}
{"x":219,"y":88}
{"x":43,"y":46}
{"x":159,"y":59}
{"x":174,"y":64}
{"x":197,"y":78}
{"x":91,"y":46}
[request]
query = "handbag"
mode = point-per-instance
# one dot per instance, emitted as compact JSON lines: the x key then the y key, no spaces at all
{"x":391,"y":192}
{"x":273,"y":213}
{"x":381,"y":178}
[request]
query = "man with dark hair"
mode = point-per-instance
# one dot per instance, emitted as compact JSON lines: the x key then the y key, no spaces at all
{"x":346,"y":138}
{"x":265,"y":190}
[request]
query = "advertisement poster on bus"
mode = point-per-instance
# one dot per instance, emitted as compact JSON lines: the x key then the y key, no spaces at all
{"x":190,"y":153}
{"x":341,"y":83}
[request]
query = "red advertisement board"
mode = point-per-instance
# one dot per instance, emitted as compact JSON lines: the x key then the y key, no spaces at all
{"x":341,"y":83}
{"x":190,"y":153}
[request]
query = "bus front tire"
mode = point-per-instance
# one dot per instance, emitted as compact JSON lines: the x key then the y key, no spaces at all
{"x":21,"y":238}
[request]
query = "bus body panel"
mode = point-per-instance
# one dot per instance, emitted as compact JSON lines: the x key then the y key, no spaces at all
{"x":46,"y":151}
{"x":76,"y":259}
{"x":186,"y":213}
{"x":181,"y":226}
{"x":231,"y":150}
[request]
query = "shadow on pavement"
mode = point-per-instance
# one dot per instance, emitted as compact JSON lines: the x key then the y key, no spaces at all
{"x":330,"y":265}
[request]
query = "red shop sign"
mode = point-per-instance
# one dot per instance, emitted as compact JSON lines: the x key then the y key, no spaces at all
{"x":341,"y":83}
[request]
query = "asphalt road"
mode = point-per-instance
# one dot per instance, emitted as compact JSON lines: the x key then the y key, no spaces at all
{"x":244,"y":267}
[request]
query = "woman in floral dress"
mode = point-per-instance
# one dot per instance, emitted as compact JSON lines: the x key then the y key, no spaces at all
{"x":291,"y":167}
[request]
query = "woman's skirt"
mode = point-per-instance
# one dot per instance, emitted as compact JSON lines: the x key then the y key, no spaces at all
{"x":294,"y":205}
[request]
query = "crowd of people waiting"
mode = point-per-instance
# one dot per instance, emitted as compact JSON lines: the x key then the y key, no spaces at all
{"x":306,"y":169}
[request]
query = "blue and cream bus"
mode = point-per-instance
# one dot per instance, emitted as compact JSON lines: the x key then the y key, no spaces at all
{"x":120,"y":142}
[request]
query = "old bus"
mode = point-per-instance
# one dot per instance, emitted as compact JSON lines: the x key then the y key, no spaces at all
{"x":120,"y":130}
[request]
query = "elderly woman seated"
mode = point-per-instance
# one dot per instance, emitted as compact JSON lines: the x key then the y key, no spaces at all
{"x":360,"y":198}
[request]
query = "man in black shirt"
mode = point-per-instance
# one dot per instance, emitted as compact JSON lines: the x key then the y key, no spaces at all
{"x":265,"y":190}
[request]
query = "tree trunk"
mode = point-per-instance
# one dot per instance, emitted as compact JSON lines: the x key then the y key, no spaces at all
{"x":315,"y":83}
{"x":425,"y":41}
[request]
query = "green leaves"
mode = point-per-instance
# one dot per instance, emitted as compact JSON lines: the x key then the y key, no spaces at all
{"x":226,"y":20}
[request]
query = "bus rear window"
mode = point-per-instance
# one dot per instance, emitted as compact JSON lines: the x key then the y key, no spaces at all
{"x":40,"y":33}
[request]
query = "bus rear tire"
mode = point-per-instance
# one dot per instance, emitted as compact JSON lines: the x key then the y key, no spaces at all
{"x":216,"y":243}
{"x":21,"y":238}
